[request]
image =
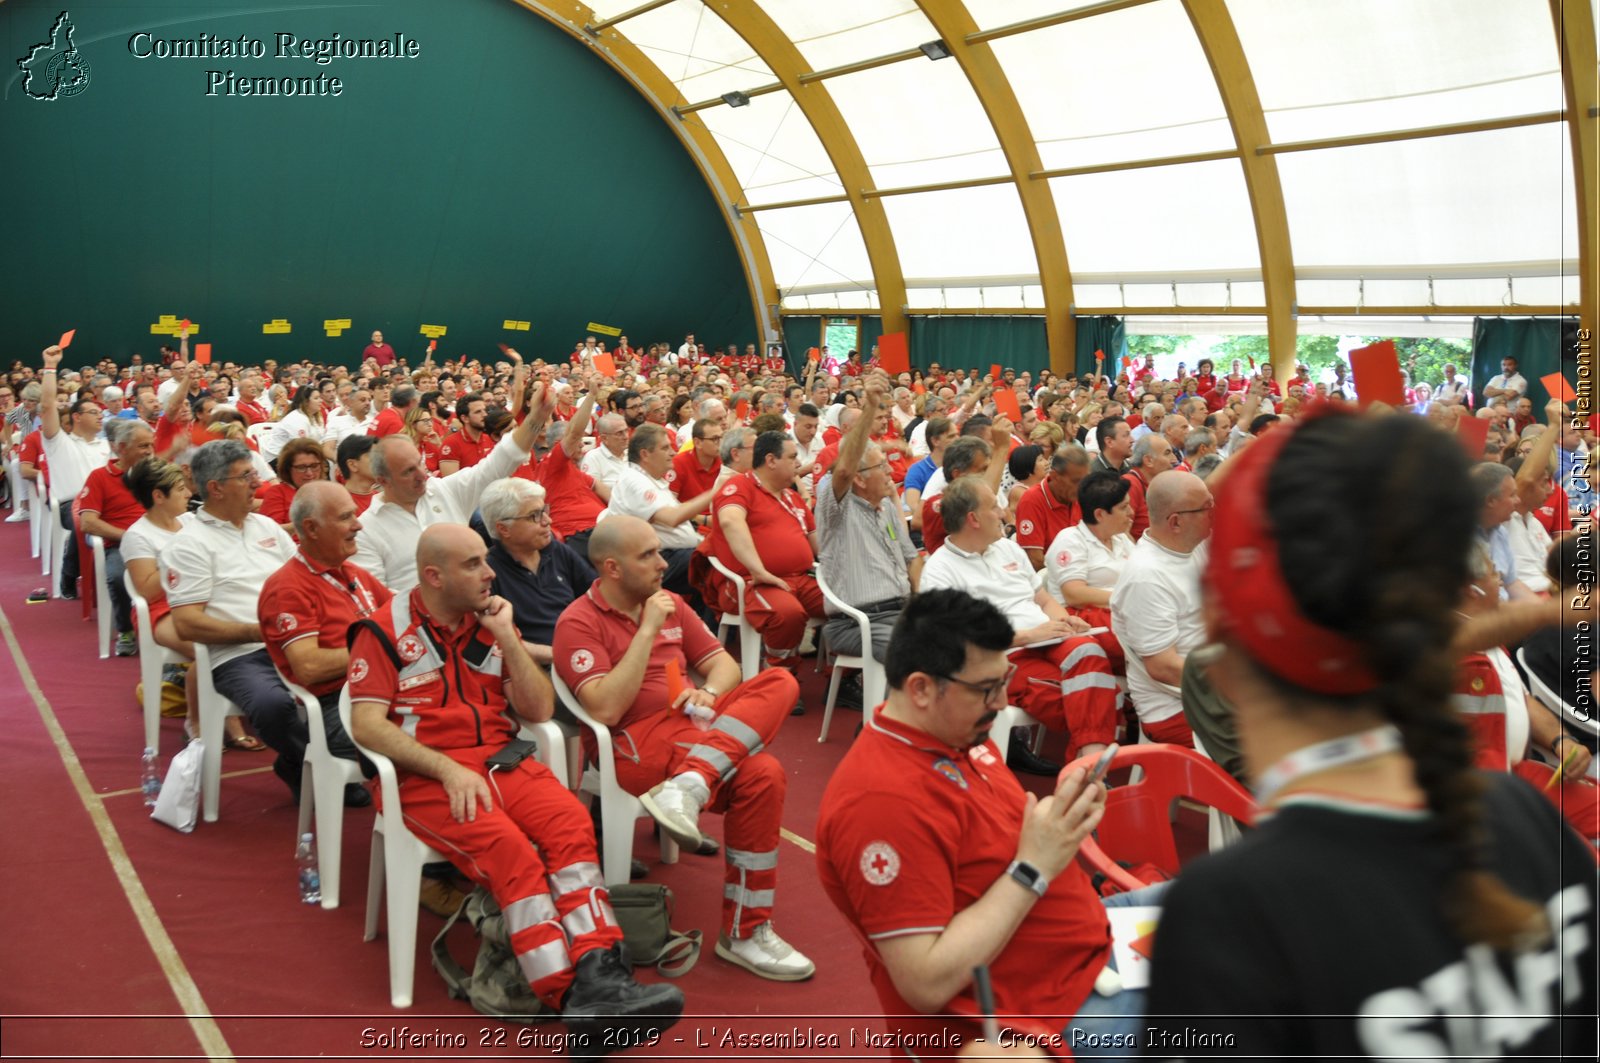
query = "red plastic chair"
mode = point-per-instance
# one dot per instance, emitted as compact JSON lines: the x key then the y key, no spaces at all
{"x":1137,"y":825}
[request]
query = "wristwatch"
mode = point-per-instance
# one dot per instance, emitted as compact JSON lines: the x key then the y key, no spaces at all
{"x":1029,"y":876}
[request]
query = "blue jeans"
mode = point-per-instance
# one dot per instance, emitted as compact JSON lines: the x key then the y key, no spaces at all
{"x":1111,"y":1027}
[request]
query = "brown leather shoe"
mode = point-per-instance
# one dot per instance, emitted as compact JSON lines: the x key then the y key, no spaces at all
{"x":440,"y":897}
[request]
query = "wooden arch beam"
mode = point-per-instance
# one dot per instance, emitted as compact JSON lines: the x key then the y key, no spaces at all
{"x":983,"y":69}
{"x":619,"y":53}
{"x":1575,"y":34}
{"x":1213,"y":25}
{"x":774,"y":48}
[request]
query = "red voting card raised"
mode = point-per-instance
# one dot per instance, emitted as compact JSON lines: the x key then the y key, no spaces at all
{"x":813,"y":354}
{"x":606,"y":364}
{"x":66,"y":338}
{"x":504,"y":347}
{"x":1099,"y":356}
{"x":432,"y":345}
{"x":742,"y":410}
{"x":893,"y":354}
{"x":1005,"y":401}
{"x":1473,"y":433}
{"x":1555,"y":384}
{"x":202,"y":353}
{"x":994,"y":371}
{"x":186,"y":324}
{"x":1377,"y":373}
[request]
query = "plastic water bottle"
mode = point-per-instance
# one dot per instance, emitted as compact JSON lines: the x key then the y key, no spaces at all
{"x":149,"y":778}
{"x":305,"y":858}
{"x":702,"y":715}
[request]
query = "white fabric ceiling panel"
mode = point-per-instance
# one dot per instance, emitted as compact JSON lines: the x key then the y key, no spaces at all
{"x":772,"y":148}
{"x":831,"y":33}
{"x":696,"y":50}
{"x":1089,"y":98}
{"x":965,"y":232}
{"x":1475,"y":198}
{"x":1359,"y":66}
{"x":1166,"y":218}
{"x":989,"y":14}
{"x":918,"y":122}
{"x":818,"y":245}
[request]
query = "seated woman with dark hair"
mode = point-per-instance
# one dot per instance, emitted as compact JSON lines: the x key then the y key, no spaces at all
{"x":1391,"y":898}
{"x":162,"y":488}
{"x":1083,"y":562}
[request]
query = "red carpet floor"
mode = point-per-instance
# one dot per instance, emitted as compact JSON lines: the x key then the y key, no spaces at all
{"x":227,"y":962}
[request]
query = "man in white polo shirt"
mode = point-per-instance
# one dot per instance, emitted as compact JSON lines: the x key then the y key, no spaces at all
{"x":1508,"y":384}
{"x":72,"y":450}
{"x":1155,"y":608}
{"x":412,"y":500}
{"x":644,"y":491}
{"x":609,"y":458}
{"x":215,"y":569}
{"x":1063,"y":678}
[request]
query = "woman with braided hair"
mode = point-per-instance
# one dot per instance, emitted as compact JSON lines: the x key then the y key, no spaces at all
{"x":1393,"y":901}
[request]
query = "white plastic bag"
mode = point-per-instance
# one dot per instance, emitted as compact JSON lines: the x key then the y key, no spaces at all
{"x":178,"y":804}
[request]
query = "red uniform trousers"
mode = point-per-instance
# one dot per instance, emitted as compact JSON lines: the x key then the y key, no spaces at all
{"x":746,"y":784}
{"x":779,"y":616}
{"x":1578,"y":799}
{"x":1100,"y":616}
{"x":554,"y":898}
{"x":1174,"y":731}
{"x":1068,"y":686}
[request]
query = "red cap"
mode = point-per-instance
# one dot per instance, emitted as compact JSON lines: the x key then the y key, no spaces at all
{"x":1244,"y":577}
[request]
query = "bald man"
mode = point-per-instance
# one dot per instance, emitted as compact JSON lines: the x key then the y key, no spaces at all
{"x":1155,"y":608}
{"x":622,"y":648}
{"x":438,"y":681}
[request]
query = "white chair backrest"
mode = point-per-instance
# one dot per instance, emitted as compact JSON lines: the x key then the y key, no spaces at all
{"x":257,"y":432}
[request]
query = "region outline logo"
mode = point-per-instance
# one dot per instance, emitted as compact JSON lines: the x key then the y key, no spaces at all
{"x":55,"y":69}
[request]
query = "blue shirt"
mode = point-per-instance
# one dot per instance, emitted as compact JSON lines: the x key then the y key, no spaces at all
{"x":538,"y":598}
{"x":1505,"y":562}
{"x":918,"y":475}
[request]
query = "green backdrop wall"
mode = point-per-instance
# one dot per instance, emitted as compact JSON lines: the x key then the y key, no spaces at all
{"x":503,"y":174}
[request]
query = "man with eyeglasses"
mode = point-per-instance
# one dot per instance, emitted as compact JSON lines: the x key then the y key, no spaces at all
{"x":215,"y":571}
{"x":538,"y":574}
{"x":695,"y":470}
{"x":630,"y":404}
{"x":941,"y":861}
{"x":1156,"y":607}
{"x":1063,"y":677}
{"x":71,"y":456}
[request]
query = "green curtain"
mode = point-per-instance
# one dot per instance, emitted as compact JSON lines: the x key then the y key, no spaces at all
{"x":977,"y":342}
{"x":1104,"y":333}
{"x":871,"y":330}
{"x":1541,"y":346}
{"x":799,"y":335}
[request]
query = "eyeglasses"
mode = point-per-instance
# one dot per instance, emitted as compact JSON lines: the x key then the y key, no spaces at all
{"x":251,"y":475}
{"x":711,"y":439}
{"x":991,"y":693}
{"x":305,"y":468}
{"x":1207,"y":508}
{"x":872,"y":468}
{"x":538,"y":516}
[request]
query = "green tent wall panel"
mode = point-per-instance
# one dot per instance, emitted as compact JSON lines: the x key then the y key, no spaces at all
{"x":505,"y":173}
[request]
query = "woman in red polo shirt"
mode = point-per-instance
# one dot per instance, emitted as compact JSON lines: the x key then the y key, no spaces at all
{"x":162,"y":488}
{"x":299,"y":462}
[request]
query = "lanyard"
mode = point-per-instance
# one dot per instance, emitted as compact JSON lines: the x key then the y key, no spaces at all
{"x":359,"y":595}
{"x":1333,"y":753}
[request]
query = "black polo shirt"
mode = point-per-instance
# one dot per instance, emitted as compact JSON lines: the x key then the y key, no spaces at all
{"x":537,"y":598}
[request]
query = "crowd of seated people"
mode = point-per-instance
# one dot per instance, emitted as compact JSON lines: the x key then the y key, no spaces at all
{"x":275,"y":512}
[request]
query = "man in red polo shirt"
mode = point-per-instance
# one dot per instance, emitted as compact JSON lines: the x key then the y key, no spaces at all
{"x":105,"y":507}
{"x":469,"y":443}
{"x":1050,"y":506}
{"x":762,"y":530}
{"x":625,"y":648}
{"x":575,"y":500}
{"x":307,"y":607}
{"x":1152,"y":456}
{"x":695,"y":471}
{"x":392,"y":418}
{"x":439,"y":679}
{"x":941,"y":862}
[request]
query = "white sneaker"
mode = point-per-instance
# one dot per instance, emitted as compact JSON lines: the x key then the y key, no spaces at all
{"x":766,"y":954}
{"x":672,"y":805}
{"x":17,"y":517}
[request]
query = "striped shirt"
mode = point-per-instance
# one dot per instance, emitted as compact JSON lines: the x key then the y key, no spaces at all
{"x":865,"y":548}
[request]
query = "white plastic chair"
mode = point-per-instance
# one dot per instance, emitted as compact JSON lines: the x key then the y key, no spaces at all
{"x":749,"y":641}
{"x":214,"y":710}
{"x":36,"y":518}
{"x":1010,"y":718}
{"x":873,"y":678}
{"x":394,"y":873}
{"x":618,"y":808}
{"x":54,"y":536}
{"x":102,"y":595}
{"x":152,"y":658}
{"x":323,"y":778}
{"x":257,"y":432}
{"x":1552,"y":700}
